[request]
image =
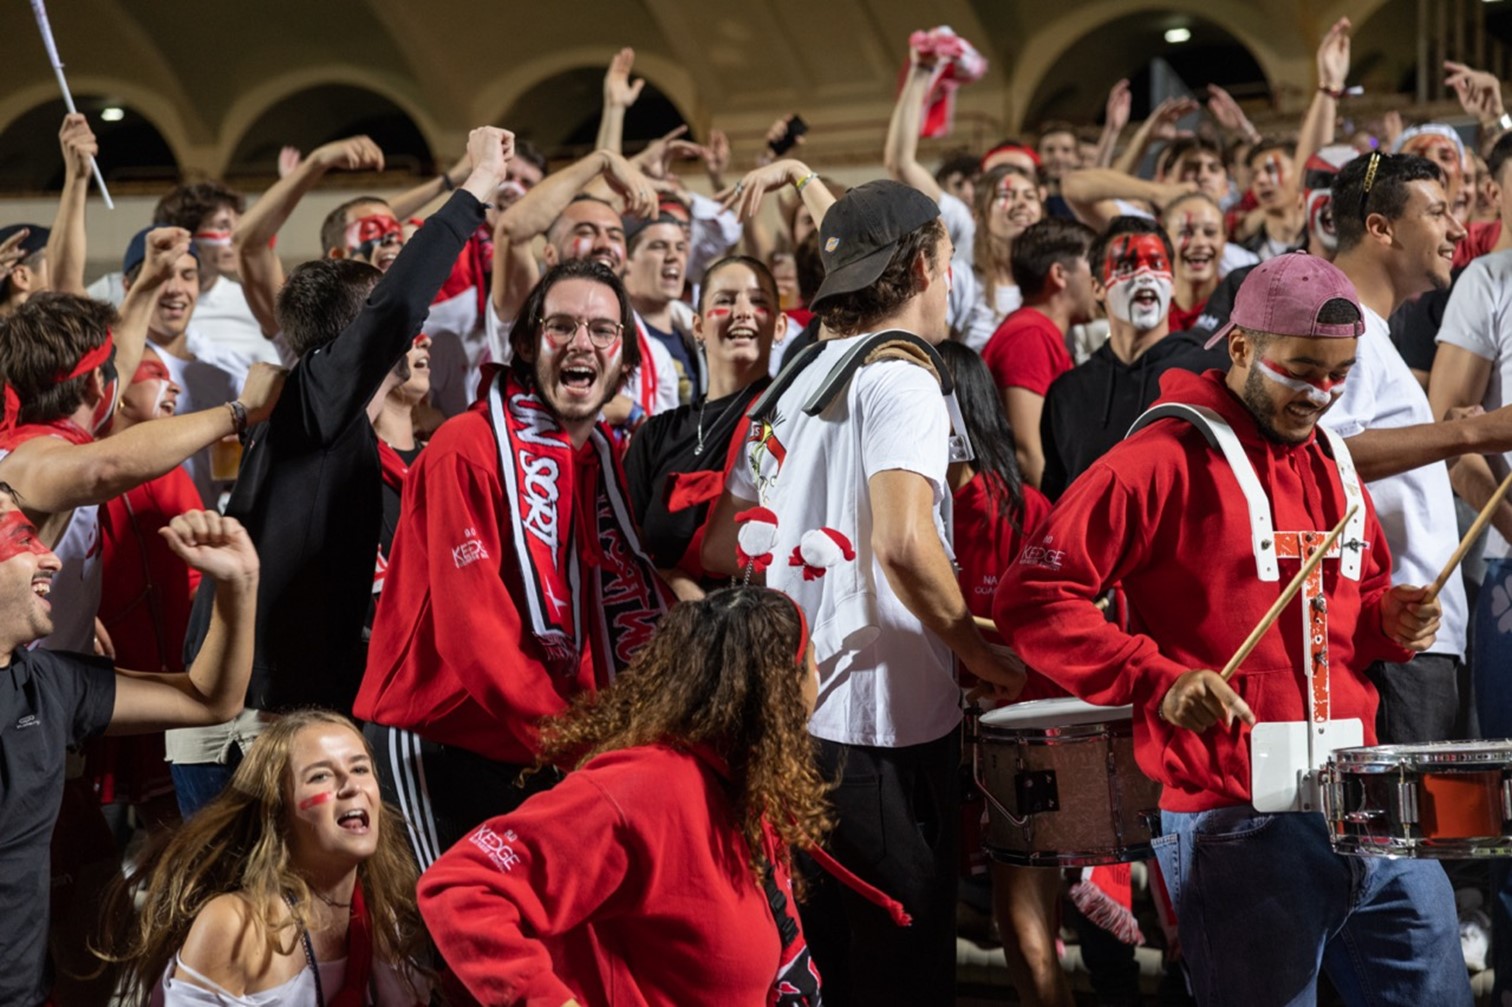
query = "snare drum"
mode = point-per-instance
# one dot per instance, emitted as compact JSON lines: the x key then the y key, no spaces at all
{"x":1062,"y":786}
{"x":1445,"y":800}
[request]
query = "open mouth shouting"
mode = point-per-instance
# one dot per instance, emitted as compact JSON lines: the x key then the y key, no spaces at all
{"x":354,"y":821}
{"x":42,"y":586}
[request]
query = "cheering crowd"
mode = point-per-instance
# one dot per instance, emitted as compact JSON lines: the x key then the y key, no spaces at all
{"x":563,"y":590}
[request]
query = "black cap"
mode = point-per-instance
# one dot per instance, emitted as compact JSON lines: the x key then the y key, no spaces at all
{"x":136,"y":249}
{"x":861,"y":232}
{"x":34,"y":242}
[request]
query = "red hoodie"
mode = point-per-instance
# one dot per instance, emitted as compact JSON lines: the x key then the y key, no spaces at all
{"x":629,"y":883}
{"x":1162,"y":515}
{"x":451,"y":657}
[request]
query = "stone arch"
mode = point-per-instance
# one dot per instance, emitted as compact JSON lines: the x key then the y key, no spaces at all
{"x":1042,"y":52}
{"x":90,"y":92}
{"x":241,"y":123}
{"x":134,"y":148}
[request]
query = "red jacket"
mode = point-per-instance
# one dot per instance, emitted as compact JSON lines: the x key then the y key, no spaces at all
{"x":451,"y":657}
{"x":1162,"y":514}
{"x":627,"y":884}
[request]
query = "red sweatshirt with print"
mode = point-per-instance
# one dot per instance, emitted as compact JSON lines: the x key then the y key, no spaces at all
{"x":452,"y":657}
{"x":1163,"y":516}
{"x":628,"y":883}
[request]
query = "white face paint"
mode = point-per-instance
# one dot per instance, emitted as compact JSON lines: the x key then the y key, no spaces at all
{"x":1318,"y":396}
{"x":1144,"y":313}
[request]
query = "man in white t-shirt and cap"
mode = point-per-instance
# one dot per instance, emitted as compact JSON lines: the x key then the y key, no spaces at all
{"x":847,"y":510}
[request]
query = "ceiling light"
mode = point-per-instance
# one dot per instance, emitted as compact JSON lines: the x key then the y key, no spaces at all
{"x":112,"y":113}
{"x":1175,"y":35}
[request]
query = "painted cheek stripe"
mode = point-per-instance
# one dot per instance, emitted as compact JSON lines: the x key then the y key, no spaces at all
{"x":315,"y":800}
{"x":1319,"y":394}
{"x":18,"y":536}
{"x":718,"y":312}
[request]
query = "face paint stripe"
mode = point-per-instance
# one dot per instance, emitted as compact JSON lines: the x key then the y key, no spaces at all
{"x":1318,"y":393}
{"x":315,"y":800}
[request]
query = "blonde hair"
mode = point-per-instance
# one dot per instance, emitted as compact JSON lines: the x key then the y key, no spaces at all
{"x":238,"y":843}
{"x":992,"y":257}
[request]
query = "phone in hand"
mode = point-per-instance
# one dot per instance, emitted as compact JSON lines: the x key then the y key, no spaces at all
{"x":796,"y":127}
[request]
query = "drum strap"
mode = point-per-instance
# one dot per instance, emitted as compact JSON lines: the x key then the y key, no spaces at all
{"x":1219,"y":435}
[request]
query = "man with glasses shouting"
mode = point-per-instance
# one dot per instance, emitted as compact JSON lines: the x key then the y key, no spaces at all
{"x":517,"y":580}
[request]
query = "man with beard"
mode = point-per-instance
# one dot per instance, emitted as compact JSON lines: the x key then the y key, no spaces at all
{"x":1263,"y":903}
{"x":311,"y":486}
{"x":1089,"y":408}
{"x":516,"y":580}
{"x":580,"y":226}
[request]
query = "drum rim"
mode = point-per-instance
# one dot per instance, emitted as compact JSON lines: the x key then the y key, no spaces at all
{"x":1389,"y":758}
{"x":994,"y":719}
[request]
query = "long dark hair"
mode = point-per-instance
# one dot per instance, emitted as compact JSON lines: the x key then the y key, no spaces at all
{"x":991,"y":434}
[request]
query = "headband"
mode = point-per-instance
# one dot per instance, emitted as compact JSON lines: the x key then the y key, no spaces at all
{"x":88,"y":362}
{"x":803,"y":633}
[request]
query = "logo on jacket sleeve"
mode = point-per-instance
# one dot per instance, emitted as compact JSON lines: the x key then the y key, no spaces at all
{"x":499,"y":851}
{"x":470,"y":551}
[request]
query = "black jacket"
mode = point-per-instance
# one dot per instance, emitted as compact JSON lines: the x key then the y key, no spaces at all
{"x":1090,"y":407}
{"x":310,"y":486}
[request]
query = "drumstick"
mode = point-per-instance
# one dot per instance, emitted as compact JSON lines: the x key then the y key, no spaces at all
{"x":1286,"y":597}
{"x":1475,"y":529}
{"x":987,"y":625}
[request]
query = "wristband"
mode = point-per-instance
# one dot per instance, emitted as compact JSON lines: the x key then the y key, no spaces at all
{"x":446,"y":183}
{"x":1333,"y":92}
{"x":805,"y":180}
{"x":1505,"y":122}
{"x":238,"y":416}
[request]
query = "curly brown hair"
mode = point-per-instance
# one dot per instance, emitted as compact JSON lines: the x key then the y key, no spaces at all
{"x":239,"y":843}
{"x":721,"y":672}
{"x":858,"y":311}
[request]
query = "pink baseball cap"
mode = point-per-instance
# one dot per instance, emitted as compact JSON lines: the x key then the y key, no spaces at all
{"x":1285,"y":296}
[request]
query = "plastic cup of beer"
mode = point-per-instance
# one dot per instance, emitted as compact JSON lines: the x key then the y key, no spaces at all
{"x":225,"y":459}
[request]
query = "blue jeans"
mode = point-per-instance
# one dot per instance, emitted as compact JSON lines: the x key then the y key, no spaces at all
{"x":197,"y":784}
{"x":1491,"y":659}
{"x":1263,"y":904}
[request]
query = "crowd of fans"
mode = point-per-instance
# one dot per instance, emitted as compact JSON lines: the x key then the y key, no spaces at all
{"x":419,"y":552}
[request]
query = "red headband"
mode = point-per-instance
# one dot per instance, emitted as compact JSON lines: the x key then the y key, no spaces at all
{"x":1004,"y":148}
{"x":88,"y":362}
{"x":803,"y":633}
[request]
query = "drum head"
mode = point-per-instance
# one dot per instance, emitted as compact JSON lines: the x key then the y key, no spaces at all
{"x":1445,"y":754}
{"x":1039,"y":714}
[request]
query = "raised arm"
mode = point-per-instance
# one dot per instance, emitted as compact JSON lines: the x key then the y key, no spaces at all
{"x":165,"y":246}
{"x":262,"y":273}
{"x":410,"y":202}
{"x":619,"y":94}
{"x":1161,"y":125}
{"x":1115,"y":118}
{"x":514,"y":268}
{"x":901,"y":154}
{"x":1318,"y":125}
{"x":746,"y":195}
{"x":66,"y":245}
{"x":213,"y":690}
{"x":1091,"y":193}
{"x":51,"y":475}
{"x":1480,"y":95}
{"x":345,"y":375}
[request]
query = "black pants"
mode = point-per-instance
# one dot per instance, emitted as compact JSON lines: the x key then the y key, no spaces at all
{"x":898,"y":819}
{"x":1420,"y":700}
{"x":445,"y":792}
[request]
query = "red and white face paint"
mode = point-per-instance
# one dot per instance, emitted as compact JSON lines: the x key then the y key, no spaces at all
{"x":18,"y":536}
{"x":1137,"y":276}
{"x":367,"y":234}
{"x":316,"y":800}
{"x":1319,"y":393}
{"x":1320,"y":221}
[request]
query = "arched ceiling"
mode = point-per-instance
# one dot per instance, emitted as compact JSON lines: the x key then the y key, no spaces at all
{"x":205,"y":73}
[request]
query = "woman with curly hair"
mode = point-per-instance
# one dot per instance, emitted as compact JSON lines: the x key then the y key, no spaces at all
{"x":658,"y":871}
{"x":294,"y":887}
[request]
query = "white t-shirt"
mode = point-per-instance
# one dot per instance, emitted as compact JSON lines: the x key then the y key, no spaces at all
{"x":968,"y":313}
{"x":223,"y":319}
{"x":1478,"y":318}
{"x":1415,"y":508}
{"x":960,"y":225}
{"x":883,"y":679}
{"x":205,"y":385}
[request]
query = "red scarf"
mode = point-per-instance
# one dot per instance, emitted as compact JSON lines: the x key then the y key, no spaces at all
{"x":564,"y":509}
{"x":359,"y":968}
{"x":12,"y":436}
{"x":647,"y":369}
{"x":394,"y":469}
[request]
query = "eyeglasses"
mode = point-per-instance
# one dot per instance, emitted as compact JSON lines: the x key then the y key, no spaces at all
{"x":561,"y":328}
{"x":1371,"y":167}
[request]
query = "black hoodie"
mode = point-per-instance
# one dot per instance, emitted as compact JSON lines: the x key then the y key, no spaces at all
{"x":1090,"y":407}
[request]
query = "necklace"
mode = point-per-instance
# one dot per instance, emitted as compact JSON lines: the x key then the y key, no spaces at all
{"x":309,"y":950}
{"x":332,"y":902}
{"x":699,"y":449}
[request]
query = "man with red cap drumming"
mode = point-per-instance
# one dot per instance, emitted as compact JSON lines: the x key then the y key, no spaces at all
{"x":1206,"y":511}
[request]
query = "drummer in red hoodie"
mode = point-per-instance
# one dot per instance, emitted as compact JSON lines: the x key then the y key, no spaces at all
{"x":516,"y":579}
{"x":1201,"y":515}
